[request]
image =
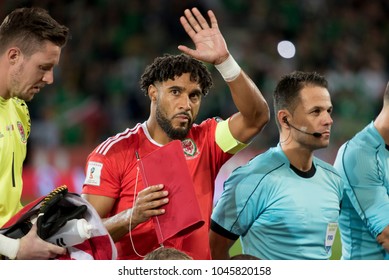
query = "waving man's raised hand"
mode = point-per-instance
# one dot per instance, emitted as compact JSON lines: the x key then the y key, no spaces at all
{"x":210,"y":45}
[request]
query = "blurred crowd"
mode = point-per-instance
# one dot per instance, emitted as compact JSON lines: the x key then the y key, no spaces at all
{"x":96,"y":92}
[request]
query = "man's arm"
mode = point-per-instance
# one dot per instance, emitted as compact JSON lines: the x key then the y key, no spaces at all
{"x":29,"y":247}
{"x":383,"y":238}
{"x":220,"y":246}
{"x":211,"y":47}
{"x":364,"y":186}
{"x":147,"y":204}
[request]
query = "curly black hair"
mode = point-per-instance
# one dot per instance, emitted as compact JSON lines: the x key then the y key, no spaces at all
{"x":170,"y":66}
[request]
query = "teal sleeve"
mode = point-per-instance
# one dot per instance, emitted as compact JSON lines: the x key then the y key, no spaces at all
{"x":365,"y":186}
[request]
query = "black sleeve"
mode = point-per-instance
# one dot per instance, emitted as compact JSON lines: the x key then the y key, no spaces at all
{"x":222,"y":231}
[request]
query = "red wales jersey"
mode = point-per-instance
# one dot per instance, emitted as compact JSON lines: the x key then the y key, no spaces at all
{"x":112,"y":171}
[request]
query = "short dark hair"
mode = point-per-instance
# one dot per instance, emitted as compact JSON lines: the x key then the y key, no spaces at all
{"x":27,"y":28}
{"x":167,"y":253}
{"x":287,"y":92}
{"x":244,"y":257}
{"x":170,"y":66}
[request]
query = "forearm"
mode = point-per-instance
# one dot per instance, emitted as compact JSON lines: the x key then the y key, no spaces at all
{"x":149,"y":203}
{"x":220,"y":246}
{"x":249,"y":100}
{"x":253,"y":109}
{"x":120,"y":224}
{"x":220,"y":253}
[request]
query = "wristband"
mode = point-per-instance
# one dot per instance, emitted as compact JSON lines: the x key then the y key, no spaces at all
{"x":9,"y":247}
{"x":229,"y":69}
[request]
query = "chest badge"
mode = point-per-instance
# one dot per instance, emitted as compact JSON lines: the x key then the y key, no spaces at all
{"x":21,"y":131}
{"x":189,"y":147}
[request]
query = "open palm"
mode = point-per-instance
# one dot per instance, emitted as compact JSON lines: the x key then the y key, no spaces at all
{"x":209,"y":42}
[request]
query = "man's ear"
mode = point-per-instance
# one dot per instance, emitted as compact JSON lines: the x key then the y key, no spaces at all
{"x":152,"y":92}
{"x":13,"y":55}
{"x":282,"y":117}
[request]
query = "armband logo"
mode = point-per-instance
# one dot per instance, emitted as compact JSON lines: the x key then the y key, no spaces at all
{"x":189,"y":147}
{"x":93,"y":173}
{"x":21,"y":131}
{"x":218,"y":119}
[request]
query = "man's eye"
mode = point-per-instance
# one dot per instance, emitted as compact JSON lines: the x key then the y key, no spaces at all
{"x":45,"y":68}
{"x":316,"y":111}
{"x":195,"y":97}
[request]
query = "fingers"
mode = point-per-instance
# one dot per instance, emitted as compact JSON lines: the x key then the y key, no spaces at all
{"x":212,"y":18}
{"x":55,"y":250}
{"x":32,"y":247}
{"x":152,"y":197}
{"x":52,"y":251}
{"x":383,"y":238}
{"x":196,"y":19}
{"x":150,"y":190}
{"x":193,"y":21}
{"x":186,"y":50}
{"x":148,"y":203}
{"x":188,"y":28}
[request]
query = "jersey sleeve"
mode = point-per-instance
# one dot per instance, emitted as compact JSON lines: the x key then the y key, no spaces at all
{"x":101,"y":178}
{"x":239,"y":204}
{"x":364,"y":186}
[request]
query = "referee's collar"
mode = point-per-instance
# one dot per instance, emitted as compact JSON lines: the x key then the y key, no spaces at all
{"x":305,"y":174}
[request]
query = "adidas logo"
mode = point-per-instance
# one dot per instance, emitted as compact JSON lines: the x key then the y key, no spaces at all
{"x":60,"y":242}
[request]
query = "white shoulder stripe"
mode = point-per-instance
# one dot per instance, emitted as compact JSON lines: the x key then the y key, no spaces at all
{"x":104,"y":147}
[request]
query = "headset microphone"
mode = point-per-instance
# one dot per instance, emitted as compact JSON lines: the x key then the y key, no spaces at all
{"x":314,"y":134}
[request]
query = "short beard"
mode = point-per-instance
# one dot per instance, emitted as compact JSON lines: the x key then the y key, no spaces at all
{"x":166,"y":125}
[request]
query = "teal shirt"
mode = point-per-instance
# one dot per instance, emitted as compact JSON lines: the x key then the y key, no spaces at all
{"x":363,"y":162}
{"x":278,"y":212}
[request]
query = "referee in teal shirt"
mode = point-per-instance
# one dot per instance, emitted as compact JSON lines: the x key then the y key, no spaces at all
{"x":363,"y":162}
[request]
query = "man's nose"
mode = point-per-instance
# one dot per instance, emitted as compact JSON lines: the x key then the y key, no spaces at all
{"x":185,"y":103}
{"x":329,"y":120}
{"x":48,"y":77}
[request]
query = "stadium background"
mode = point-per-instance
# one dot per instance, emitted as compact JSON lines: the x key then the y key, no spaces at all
{"x":96,"y":92}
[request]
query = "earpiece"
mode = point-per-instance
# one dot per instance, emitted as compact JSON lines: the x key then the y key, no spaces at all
{"x":315,"y":134}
